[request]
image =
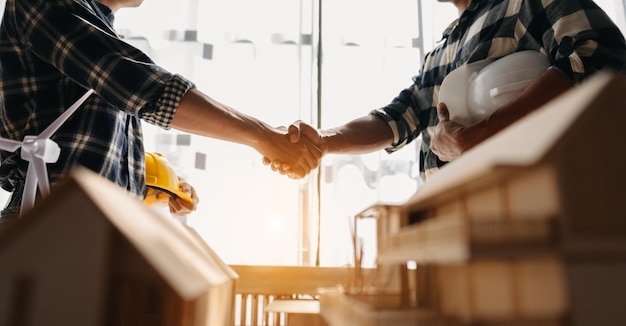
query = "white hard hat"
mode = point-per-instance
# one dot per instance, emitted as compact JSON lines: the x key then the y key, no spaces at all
{"x":473,"y":91}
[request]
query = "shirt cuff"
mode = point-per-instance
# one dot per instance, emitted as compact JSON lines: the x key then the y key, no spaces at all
{"x":168,"y":102}
{"x":397,"y":143}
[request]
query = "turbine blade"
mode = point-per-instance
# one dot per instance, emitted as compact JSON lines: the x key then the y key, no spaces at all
{"x":30,"y":190}
{"x":42,"y":176}
{"x":52,"y":128}
{"x":9,"y":144}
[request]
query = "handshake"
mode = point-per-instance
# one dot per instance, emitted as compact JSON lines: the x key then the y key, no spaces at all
{"x":298,"y":149}
{"x":298,"y":152}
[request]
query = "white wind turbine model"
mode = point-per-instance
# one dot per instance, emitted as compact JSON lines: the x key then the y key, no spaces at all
{"x":39,"y":150}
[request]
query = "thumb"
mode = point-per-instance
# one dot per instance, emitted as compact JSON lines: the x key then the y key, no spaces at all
{"x":310,"y":132}
{"x":294,"y":132}
{"x":442,"y":112}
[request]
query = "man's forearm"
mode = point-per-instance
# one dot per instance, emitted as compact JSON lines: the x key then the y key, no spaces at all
{"x":200,"y":114}
{"x":363,"y":135}
{"x":545,"y":88}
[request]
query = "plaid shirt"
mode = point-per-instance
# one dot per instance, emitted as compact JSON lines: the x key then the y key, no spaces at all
{"x":576,"y":35}
{"x":51,"y":52}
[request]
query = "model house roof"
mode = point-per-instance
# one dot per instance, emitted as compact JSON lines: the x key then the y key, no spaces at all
{"x":590,"y":115}
{"x":89,"y":245}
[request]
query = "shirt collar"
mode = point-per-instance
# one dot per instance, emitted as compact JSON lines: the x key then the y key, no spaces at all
{"x":473,"y":5}
{"x":106,"y":12}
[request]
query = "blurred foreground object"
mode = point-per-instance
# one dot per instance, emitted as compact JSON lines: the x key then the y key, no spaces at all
{"x":91,"y":254}
{"x":39,"y":151}
{"x":527,"y":228}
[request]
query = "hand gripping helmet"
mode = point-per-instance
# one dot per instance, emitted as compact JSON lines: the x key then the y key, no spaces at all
{"x":161,"y":180}
{"x":473,"y":91}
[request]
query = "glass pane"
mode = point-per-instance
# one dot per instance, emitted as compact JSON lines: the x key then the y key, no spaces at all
{"x":258,"y":61}
{"x":260,"y":57}
{"x":366,"y":64}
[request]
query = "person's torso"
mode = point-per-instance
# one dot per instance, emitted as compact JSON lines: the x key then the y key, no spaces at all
{"x":34,"y":93}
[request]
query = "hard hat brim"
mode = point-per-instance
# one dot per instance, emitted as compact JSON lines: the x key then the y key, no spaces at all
{"x":178,"y":194}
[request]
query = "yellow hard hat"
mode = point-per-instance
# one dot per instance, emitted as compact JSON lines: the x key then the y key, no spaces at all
{"x":161,"y":180}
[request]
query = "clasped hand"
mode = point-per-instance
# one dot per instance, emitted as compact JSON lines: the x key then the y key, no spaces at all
{"x":311,"y":159}
{"x":181,"y":207}
{"x":452,"y":139}
{"x":290,"y":154}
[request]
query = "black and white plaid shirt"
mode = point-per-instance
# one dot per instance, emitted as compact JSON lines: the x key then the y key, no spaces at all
{"x":576,"y":35}
{"x":51,"y":52}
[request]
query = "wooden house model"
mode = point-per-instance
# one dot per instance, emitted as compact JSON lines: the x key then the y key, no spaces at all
{"x":89,"y":254}
{"x":528,"y":228}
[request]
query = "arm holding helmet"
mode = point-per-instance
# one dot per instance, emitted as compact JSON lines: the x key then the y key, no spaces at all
{"x":452,"y":139}
{"x":179,"y":206}
{"x":165,"y":187}
{"x":577,"y":48}
{"x":370,"y":133}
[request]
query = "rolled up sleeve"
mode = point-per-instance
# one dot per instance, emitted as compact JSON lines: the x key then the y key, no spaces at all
{"x":580,"y":38}
{"x":69,"y":37}
{"x":162,"y":111}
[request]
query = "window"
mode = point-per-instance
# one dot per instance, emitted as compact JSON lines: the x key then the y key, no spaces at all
{"x":261,"y":57}
{"x":262,"y":61}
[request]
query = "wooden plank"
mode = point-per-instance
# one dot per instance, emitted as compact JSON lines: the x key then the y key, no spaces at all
{"x":294,"y":306}
{"x":290,"y":279}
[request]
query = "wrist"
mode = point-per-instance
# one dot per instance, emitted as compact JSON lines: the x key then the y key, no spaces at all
{"x":476,"y":134}
{"x":329,"y":141}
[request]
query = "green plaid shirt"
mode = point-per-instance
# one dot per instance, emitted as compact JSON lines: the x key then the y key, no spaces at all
{"x":576,"y":35}
{"x":51,"y":52}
